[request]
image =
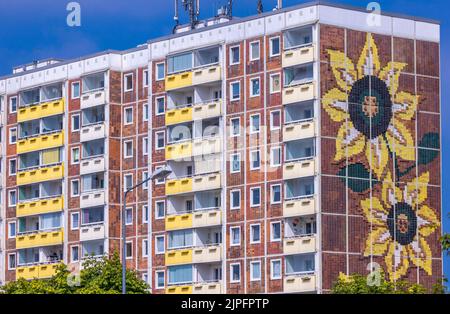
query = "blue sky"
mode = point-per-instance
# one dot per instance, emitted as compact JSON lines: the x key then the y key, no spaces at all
{"x":37,"y":29}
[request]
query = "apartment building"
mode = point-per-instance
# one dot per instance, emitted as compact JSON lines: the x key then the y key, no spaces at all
{"x":303,"y":143}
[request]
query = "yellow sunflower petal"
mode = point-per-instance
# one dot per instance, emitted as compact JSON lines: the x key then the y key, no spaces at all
{"x":369,"y":61}
{"x":349,"y":142}
{"x":374,"y":212}
{"x":397,"y":261}
{"x":377,"y":242}
{"x":335,"y":104}
{"x":390,"y":74}
{"x":378,"y":155}
{"x":427,"y":221}
{"x":405,"y":105}
{"x":400,"y":140}
{"x":387,"y":193}
{"x":416,"y":191}
{"x":343,"y":69}
{"x":420,"y":255}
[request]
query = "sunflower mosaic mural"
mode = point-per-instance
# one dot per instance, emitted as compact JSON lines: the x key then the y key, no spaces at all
{"x":376,"y":132}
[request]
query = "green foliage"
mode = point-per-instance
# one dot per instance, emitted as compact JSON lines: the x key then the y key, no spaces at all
{"x":99,"y":276}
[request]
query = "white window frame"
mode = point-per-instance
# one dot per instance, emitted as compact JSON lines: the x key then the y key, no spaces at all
{"x":231,"y":199}
{"x":252,"y":234}
{"x":272,"y":91}
{"x":156,"y":244}
{"x":251,"y":159}
{"x":125,"y":149}
{"x":252,"y":278}
{"x":10,"y":104}
{"x":272,"y":127}
{"x":125,"y":77}
{"x":71,"y":188}
{"x":145,"y":112}
{"x":144,"y":247}
{"x":252,"y":131}
{"x":145,"y":146}
{"x":125,"y":181}
{"x":126,"y":216}
{"x":9,"y":261}
{"x":157,"y":217}
{"x":251,"y":50}
{"x":73,"y":124}
{"x":159,"y":181}
{"x":12,"y":236}
{"x":9,"y":198}
{"x":232,"y":163}
{"x":271,"y":269}
{"x":125,"y":122}
{"x":145,"y":214}
{"x":164,"y":72}
{"x":156,"y":140}
{"x":251,"y":87}
{"x":231,"y":54}
{"x":272,"y":194}
{"x":145,"y":177}
{"x":231,"y":91}
{"x":145,"y":78}
{"x":71,"y":253}
{"x":10,"y":132}
{"x":126,"y":251}
{"x":272,"y":149}
{"x":72,"y":161}
{"x":156,"y":279}
{"x":72,"y":89}
{"x":9,"y":166}
{"x":72,"y":220}
{"x":272,"y":223}
{"x":231,"y":236}
{"x":251,"y":196}
{"x":231,"y":272}
{"x":232,"y":129}
{"x":271,"y":39}
{"x":156,"y":106}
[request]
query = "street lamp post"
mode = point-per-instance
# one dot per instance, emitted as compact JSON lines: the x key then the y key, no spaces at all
{"x":158,"y":174}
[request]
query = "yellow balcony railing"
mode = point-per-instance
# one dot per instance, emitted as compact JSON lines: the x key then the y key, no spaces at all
{"x":175,"y":257}
{"x":196,"y":288}
{"x":40,"y":175}
{"x":178,"y":186}
{"x":40,"y":143}
{"x":36,"y":271}
{"x":184,"y":289}
{"x":40,"y":111}
{"x":40,"y":207}
{"x":44,"y":238}
{"x":179,"y":150}
{"x":174,"y":222}
{"x":177,"y":81}
{"x":175,"y":116}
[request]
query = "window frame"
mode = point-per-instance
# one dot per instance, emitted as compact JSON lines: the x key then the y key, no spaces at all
{"x":72,"y":118}
{"x":157,"y":286}
{"x":272,"y":149}
{"x":126,"y":249}
{"x":272,"y":223}
{"x":232,"y":162}
{"x":271,"y":39}
{"x":145,"y":146}
{"x":145,"y":78}
{"x":10,"y":104}
{"x":74,"y":226}
{"x":251,"y":272}
{"x":10,"y":135}
{"x":125,"y":143}
{"x":127,"y":210}
{"x":71,"y":187}
{"x":252,"y":189}
{"x":157,"y":217}
{"x":9,"y":261}
{"x":251,"y":50}
{"x":272,"y":194}
{"x":252,"y":234}
{"x":232,"y":129}
{"x":231,"y":199}
{"x":156,"y":140}
{"x":231,"y":54}
{"x":157,"y":78}
{"x":145,"y":248}
{"x":15,"y":167}
{"x":157,"y":252}
{"x":10,"y":235}
{"x":231,"y":272}
{"x":251,"y":159}
{"x":9,"y":197}
{"x":125,"y":77}
{"x":272,"y":128}
{"x":72,"y":260}
{"x":231,"y":235}
{"x":252,"y":131}
{"x":271,"y":80}
{"x":145,"y":214}
{"x":156,"y":105}
{"x":125,"y":176}
{"x":125,"y":122}
{"x":272,"y":277}
{"x":251,"y":87}
{"x":231,"y":91}
{"x":72,"y":96}
{"x":72,"y":160}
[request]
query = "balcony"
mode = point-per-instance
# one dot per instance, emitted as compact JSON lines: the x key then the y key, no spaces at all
{"x":299,"y":283}
{"x":208,"y":254}
{"x":178,"y":186}
{"x":299,"y":207}
{"x":206,"y":218}
{"x":46,"y":109}
{"x":299,"y":244}
{"x":296,"y":56}
{"x":206,"y":75}
{"x":41,"y":142}
{"x":92,"y":165}
{"x":198,"y":111}
{"x":207,"y":146}
{"x":179,"y":150}
{"x":213,"y":287}
{"x":92,"y":198}
{"x":38,"y":271}
{"x":37,"y":239}
{"x":299,"y":130}
{"x":298,"y":93}
{"x":175,"y":222}
{"x":93,"y":132}
{"x":94,"y":231}
{"x":177,"y":81}
{"x":181,"y":115}
{"x":299,"y":169}
{"x":44,"y":206}
{"x":183,"y":289}
{"x":92,"y":99}
{"x":194,"y":184}
{"x":181,"y":256}
{"x":40,"y":175}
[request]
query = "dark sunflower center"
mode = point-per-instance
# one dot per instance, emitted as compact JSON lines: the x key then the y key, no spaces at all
{"x":402,"y":223}
{"x":370,"y":106}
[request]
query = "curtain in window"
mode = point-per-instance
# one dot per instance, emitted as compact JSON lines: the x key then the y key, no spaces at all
{"x":50,"y":221}
{"x":51,"y":156}
{"x":180,"y":63}
{"x":180,"y":238}
{"x":180,"y":274}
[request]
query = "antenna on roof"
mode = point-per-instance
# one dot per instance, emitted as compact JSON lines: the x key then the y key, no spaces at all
{"x":230,"y":9}
{"x":192,"y":7}
{"x":260,"y":7}
{"x":279,"y":4}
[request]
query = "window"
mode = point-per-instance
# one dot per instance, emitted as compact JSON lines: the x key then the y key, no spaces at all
{"x":145,"y":177}
{"x":75,"y":188}
{"x":160,"y":210}
{"x":254,"y":123}
{"x":145,"y":216}
{"x":274,"y":46}
{"x":12,"y":261}
{"x":160,"y":280}
{"x":255,"y":197}
{"x":275,"y":120}
{"x":160,"y":244}
{"x":235,"y":236}
{"x":275,"y":194}
{"x":235,"y":199}
{"x":275,"y":156}
{"x":179,"y":63}
{"x":275,"y":83}
{"x":75,"y":122}
{"x":75,"y":253}
{"x":145,"y":108}
{"x":254,"y":87}
{"x":159,"y":105}
{"x":235,"y":163}
{"x":180,"y":239}
{"x":145,"y":78}
{"x":235,"y":55}
{"x":13,"y":104}
{"x":12,"y":167}
{"x":75,"y":90}
{"x":145,"y":146}
{"x":12,"y":135}
{"x":255,"y":233}
{"x":160,"y":180}
{"x":255,"y":161}
{"x":75,"y":155}
{"x":235,"y":90}
{"x":235,"y":272}
{"x":128,"y":82}
{"x":128,"y":150}
{"x":275,"y":269}
{"x":255,"y":271}
{"x":74,"y":221}
{"x":275,"y":231}
{"x":129,"y":250}
{"x":160,"y":71}
{"x":12,"y":198}
{"x":145,"y":248}
{"x":235,"y":129}
{"x":12,"y":230}
{"x":254,"y":51}
{"x":160,"y":140}
{"x":129,"y":216}
{"x":128,"y":182}
{"x":128,"y":113}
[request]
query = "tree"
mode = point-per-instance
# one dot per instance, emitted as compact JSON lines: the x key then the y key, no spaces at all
{"x":98,"y":276}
